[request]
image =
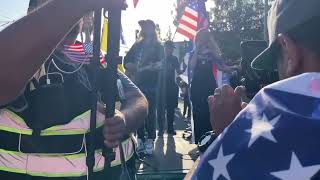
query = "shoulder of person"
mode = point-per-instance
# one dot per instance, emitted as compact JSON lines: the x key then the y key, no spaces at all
{"x":175,"y":57}
{"x":176,"y":60}
{"x":191,"y":53}
{"x":19,"y":104}
{"x":128,"y":85}
{"x":158,"y":45}
{"x":137,"y":44}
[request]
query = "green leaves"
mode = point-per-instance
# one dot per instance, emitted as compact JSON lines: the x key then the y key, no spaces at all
{"x":234,"y":21}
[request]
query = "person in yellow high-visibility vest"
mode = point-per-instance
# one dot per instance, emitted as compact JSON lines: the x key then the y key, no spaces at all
{"x":45,"y":105}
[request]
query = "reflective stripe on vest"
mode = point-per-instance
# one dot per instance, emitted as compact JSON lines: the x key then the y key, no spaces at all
{"x":11,"y":122}
{"x":54,"y":165}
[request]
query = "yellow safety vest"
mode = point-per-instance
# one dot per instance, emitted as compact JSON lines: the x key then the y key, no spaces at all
{"x":70,"y":164}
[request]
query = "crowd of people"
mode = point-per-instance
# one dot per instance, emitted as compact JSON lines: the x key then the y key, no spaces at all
{"x":46,"y":99}
{"x":156,"y":72}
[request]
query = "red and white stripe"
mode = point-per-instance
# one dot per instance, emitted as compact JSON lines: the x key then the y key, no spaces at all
{"x":135,"y":3}
{"x":217,"y":75}
{"x":76,"y":53}
{"x":188,"y":24}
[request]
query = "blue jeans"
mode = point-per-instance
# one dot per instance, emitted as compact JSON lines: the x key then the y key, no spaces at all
{"x":150,"y":121}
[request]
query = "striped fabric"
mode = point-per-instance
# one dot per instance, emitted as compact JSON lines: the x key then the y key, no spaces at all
{"x":57,"y":165}
{"x":53,"y":165}
{"x":80,"y":53}
{"x":11,"y":122}
{"x":188,"y":24}
{"x":218,"y":75}
{"x":195,"y":17}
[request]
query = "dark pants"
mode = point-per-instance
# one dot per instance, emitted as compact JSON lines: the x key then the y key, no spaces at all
{"x":150,"y":121}
{"x":116,"y":172}
{"x":201,"y":114}
{"x":186,"y":106}
{"x":170,"y":117}
{"x":169,"y":103}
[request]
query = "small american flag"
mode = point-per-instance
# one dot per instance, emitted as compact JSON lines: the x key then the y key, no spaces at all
{"x":194,"y":18}
{"x":80,"y":52}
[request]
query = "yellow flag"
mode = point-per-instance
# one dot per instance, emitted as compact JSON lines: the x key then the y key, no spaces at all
{"x":104,"y":41}
{"x":121,"y":68}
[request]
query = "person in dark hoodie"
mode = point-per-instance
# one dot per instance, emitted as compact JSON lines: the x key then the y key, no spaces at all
{"x":144,"y":62}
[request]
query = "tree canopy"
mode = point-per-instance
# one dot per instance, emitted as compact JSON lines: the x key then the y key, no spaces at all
{"x":233,"y":21}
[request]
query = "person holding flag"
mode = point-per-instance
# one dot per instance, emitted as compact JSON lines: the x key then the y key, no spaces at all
{"x":46,"y":103}
{"x":276,"y":136}
{"x":205,"y":63}
{"x":203,"y":59}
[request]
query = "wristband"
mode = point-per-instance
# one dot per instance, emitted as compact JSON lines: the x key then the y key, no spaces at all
{"x":206,"y":140}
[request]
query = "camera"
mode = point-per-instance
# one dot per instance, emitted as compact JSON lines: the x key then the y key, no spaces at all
{"x":254,"y":79}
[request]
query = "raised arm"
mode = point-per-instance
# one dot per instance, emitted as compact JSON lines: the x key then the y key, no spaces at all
{"x":27,"y":43}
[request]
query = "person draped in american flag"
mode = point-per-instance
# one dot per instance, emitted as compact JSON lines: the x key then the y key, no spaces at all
{"x":276,"y":136}
{"x":202,"y":61}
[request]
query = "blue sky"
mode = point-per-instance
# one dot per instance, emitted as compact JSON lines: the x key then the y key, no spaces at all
{"x":12,"y":9}
{"x":157,"y":10}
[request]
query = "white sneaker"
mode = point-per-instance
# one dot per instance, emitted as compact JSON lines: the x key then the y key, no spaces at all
{"x":140,"y":147}
{"x":149,"y":146}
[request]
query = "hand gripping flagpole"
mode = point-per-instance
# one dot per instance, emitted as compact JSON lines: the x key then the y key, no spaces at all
{"x":109,"y":91}
{"x":94,"y":66}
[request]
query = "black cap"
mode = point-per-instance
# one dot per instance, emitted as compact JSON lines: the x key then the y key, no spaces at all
{"x":169,"y":44}
{"x":284,"y":15}
{"x":147,"y":22}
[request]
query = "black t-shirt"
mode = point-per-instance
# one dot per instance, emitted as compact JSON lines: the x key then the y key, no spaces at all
{"x":172,"y":64}
{"x":66,"y":97}
{"x":144,"y":55}
{"x":203,"y":83}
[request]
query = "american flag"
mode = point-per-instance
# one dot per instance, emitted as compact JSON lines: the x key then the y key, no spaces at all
{"x":80,"y":52}
{"x":218,"y":75}
{"x":122,"y":39}
{"x":275,"y":137}
{"x":194,"y":18}
{"x":203,"y":15}
{"x":135,"y":3}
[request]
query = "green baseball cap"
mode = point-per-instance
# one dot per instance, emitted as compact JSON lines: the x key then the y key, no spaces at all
{"x":284,"y":15}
